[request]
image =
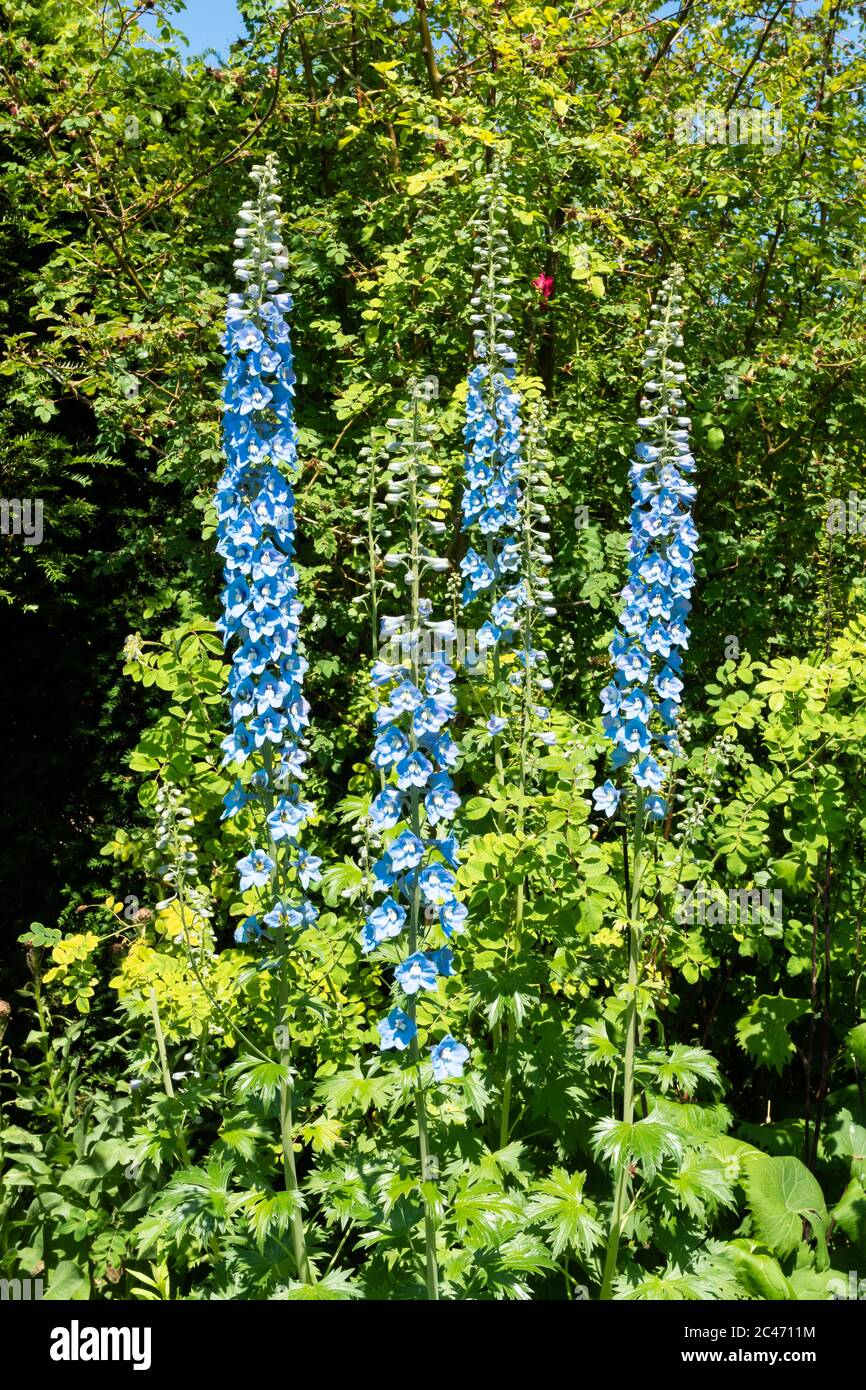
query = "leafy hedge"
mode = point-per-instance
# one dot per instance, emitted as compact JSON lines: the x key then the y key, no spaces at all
{"x":142,"y":1151}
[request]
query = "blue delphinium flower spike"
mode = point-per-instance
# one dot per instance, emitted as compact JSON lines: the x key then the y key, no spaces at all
{"x":641,"y":706}
{"x":255,"y":508}
{"x":410,"y":816}
{"x":492,"y":433}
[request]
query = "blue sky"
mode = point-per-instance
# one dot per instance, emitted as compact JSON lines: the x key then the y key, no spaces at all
{"x":207,"y":24}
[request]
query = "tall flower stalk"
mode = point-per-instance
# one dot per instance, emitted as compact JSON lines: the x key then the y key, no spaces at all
{"x":530,"y":678}
{"x":410,"y":817}
{"x":642,"y":703}
{"x":376,"y":533}
{"x":178,"y":867}
{"x":492,"y":438}
{"x":255,"y":507}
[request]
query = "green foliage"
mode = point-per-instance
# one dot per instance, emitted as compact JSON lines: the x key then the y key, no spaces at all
{"x":142,"y":1143}
{"x":782,"y":1195}
{"x":763,"y":1031}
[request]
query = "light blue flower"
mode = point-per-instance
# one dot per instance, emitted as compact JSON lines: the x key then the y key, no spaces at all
{"x":255,"y":869}
{"x":238,"y":745}
{"x":386,"y":809}
{"x":384,"y":876}
{"x":305,"y":914}
{"x":452,"y":916}
{"x":436,"y":884}
{"x":449,"y":849}
{"x":249,"y":930}
{"x":384,"y":922}
{"x":396,"y":1031}
{"x":443,"y":960}
{"x":414,"y":751}
{"x":416,"y":972}
{"x":389,"y":748}
{"x":413,"y":771}
{"x":234,"y":801}
{"x":667,"y":685}
{"x":441,"y":801}
{"x":635,"y":704}
{"x":309,"y":868}
{"x":431,"y":715}
{"x":286,"y":819}
{"x":406,"y":852}
{"x":492,"y":431}
{"x":648,"y":774}
{"x":382,"y":673}
{"x":406,"y":697}
{"x":449,"y":1058}
{"x":443,"y":749}
{"x":279,"y":917}
{"x":634,"y":736}
{"x":254,"y":503}
{"x":439,"y":677}
{"x":606,"y":798}
{"x":640,"y":707}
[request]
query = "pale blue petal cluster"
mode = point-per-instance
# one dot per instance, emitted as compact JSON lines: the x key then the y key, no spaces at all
{"x":493,"y":431}
{"x":255,"y":509}
{"x":410,"y":817}
{"x":641,"y":705}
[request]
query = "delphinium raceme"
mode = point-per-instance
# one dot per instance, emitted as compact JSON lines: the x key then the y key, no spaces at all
{"x":535,"y":594}
{"x":642,"y":704}
{"x":178,"y":866}
{"x":492,"y":438}
{"x":418,"y":913}
{"x":261,"y":615}
{"x":530,"y":679}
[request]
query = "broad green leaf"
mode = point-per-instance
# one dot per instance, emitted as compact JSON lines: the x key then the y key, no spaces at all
{"x":782,"y":1195}
{"x":646,"y":1143}
{"x":68,"y":1281}
{"x":761,"y":1274}
{"x":856,"y":1041}
{"x":849,"y":1214}
{"x":762,"y":1032}
{"x":559,"y":1204}
{"x":334,"y":1287}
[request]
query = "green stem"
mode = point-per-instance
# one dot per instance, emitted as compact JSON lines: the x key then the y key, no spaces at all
{"x":166,"y":1074}
{"x":56,"y":1108}
{"x":635,"y":931}
{"x":290,"y":1176}
{"x":526,"y":702}
{"x":631,"y":1028}
{"x":290,"y":1173}
{"x":374,"y":585}
{"x":497,"y":705}
{"x":507,"y":1083}
{"x":432,"y":1268}
{"x":282,"y":1039}
{"x":371,"y":548}
{"x":519,"y":900}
